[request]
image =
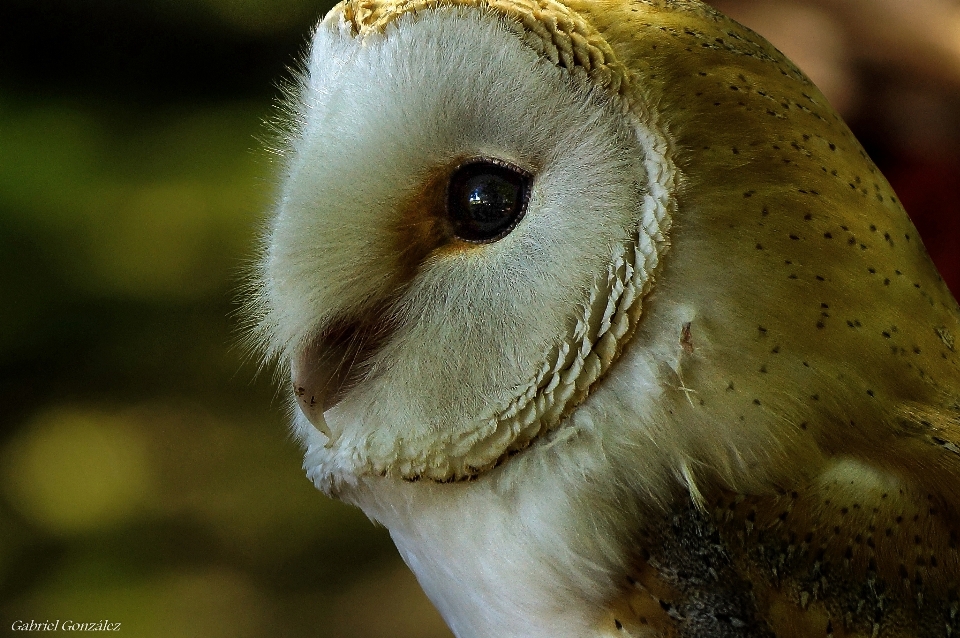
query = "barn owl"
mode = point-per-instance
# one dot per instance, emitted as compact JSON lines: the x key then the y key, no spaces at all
{"x":604,"y":313}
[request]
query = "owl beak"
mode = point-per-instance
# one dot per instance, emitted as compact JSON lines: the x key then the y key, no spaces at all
{"x":320,"y":374}
{"x":330,"y":365}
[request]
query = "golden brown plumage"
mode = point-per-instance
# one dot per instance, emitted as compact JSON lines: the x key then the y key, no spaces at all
{"x":856,"y":534}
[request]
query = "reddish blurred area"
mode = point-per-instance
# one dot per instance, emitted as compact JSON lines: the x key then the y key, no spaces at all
{"x":892,"y":69}
{"x":929,"y":189}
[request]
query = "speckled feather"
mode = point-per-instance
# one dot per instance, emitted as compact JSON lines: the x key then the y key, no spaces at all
{"x":856,"y":359}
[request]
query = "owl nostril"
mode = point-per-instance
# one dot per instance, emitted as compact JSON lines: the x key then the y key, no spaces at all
{"x":330,"y":365}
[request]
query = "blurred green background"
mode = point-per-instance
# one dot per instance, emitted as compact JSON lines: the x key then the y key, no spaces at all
{"x":146,"y":472}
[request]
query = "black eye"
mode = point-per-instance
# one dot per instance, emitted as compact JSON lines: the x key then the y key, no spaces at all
{"x":486,"y":200}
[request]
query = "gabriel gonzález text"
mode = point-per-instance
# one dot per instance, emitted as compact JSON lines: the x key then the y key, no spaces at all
{"x":68,"y":625}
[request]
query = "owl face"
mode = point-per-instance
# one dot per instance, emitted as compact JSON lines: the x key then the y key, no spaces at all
{"x":465,"y":231}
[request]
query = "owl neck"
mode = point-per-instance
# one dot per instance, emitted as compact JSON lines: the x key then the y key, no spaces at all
{"x":530,"y":549}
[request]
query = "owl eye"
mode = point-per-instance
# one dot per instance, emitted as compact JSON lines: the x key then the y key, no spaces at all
{"x":486,"y":200}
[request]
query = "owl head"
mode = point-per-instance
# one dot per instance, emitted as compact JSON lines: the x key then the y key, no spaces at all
{"x":493,"y":210}
{"x":470,"y":217}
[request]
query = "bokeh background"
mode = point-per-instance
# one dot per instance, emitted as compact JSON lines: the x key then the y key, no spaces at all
{"x":146,"y":473}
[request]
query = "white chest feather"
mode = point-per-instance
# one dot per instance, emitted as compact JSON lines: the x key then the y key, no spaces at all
{"x":501,"y":557}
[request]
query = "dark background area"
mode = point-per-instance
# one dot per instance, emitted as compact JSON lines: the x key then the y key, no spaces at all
{"x":146,"y":473}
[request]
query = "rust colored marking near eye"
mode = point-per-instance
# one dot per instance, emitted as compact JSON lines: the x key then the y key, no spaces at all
{"x":422,"y":231}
